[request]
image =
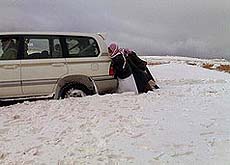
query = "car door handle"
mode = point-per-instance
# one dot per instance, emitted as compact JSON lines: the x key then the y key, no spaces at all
{"x":10,"y":66}
{"x":58,"y":64}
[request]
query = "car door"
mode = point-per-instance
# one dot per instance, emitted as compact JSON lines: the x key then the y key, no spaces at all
{"x":42,"y":65}
{"x":82,"y":55}
{"x":10,"y":84}
{"x":87,"y":55}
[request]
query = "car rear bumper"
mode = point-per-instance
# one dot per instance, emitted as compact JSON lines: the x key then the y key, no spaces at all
{"x":105,"y":84}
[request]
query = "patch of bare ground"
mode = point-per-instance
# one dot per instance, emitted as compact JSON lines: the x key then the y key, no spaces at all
{"x":225,"y":68}
{"x":157,"y":63}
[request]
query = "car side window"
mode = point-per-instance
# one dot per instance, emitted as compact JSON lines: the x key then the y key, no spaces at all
{"x":36,"y":48}
{"x":9,"y":48}
{"x":82,"y":47}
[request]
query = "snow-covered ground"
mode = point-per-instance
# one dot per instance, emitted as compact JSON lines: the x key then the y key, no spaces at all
{"x":187,"y":122}
{"x":186,"y":60}
{"x":177,"y":59}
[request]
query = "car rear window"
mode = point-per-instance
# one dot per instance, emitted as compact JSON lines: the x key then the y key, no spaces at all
{"x":82,"y":47}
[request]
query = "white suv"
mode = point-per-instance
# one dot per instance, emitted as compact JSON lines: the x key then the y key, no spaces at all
{"x":61,"y":64}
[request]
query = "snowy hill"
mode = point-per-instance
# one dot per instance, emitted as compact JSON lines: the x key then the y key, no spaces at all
{"x":187,"y":122}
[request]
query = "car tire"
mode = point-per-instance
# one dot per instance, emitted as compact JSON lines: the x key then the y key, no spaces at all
{"x":74,"y":90}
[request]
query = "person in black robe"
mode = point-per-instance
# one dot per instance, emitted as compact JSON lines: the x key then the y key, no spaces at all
{"x":142,"y":75}
{"x":123,"y":72}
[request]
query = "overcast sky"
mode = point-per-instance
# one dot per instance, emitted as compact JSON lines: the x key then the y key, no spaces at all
{"x":196,"y":28}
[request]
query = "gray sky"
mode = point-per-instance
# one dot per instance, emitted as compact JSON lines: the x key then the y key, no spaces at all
{"x":196,"y":28}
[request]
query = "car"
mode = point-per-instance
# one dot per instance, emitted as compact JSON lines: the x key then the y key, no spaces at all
{"x":55,"y":64}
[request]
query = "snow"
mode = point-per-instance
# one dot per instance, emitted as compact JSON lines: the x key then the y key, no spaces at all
{"x":185,"y":60}
{"x":187,"y":122}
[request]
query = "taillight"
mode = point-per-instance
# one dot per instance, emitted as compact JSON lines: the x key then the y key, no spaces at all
{"x":111,"y":70}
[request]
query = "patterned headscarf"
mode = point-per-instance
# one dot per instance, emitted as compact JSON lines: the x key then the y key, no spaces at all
{"x":115,"y":49}
{"x":125,"y":51}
